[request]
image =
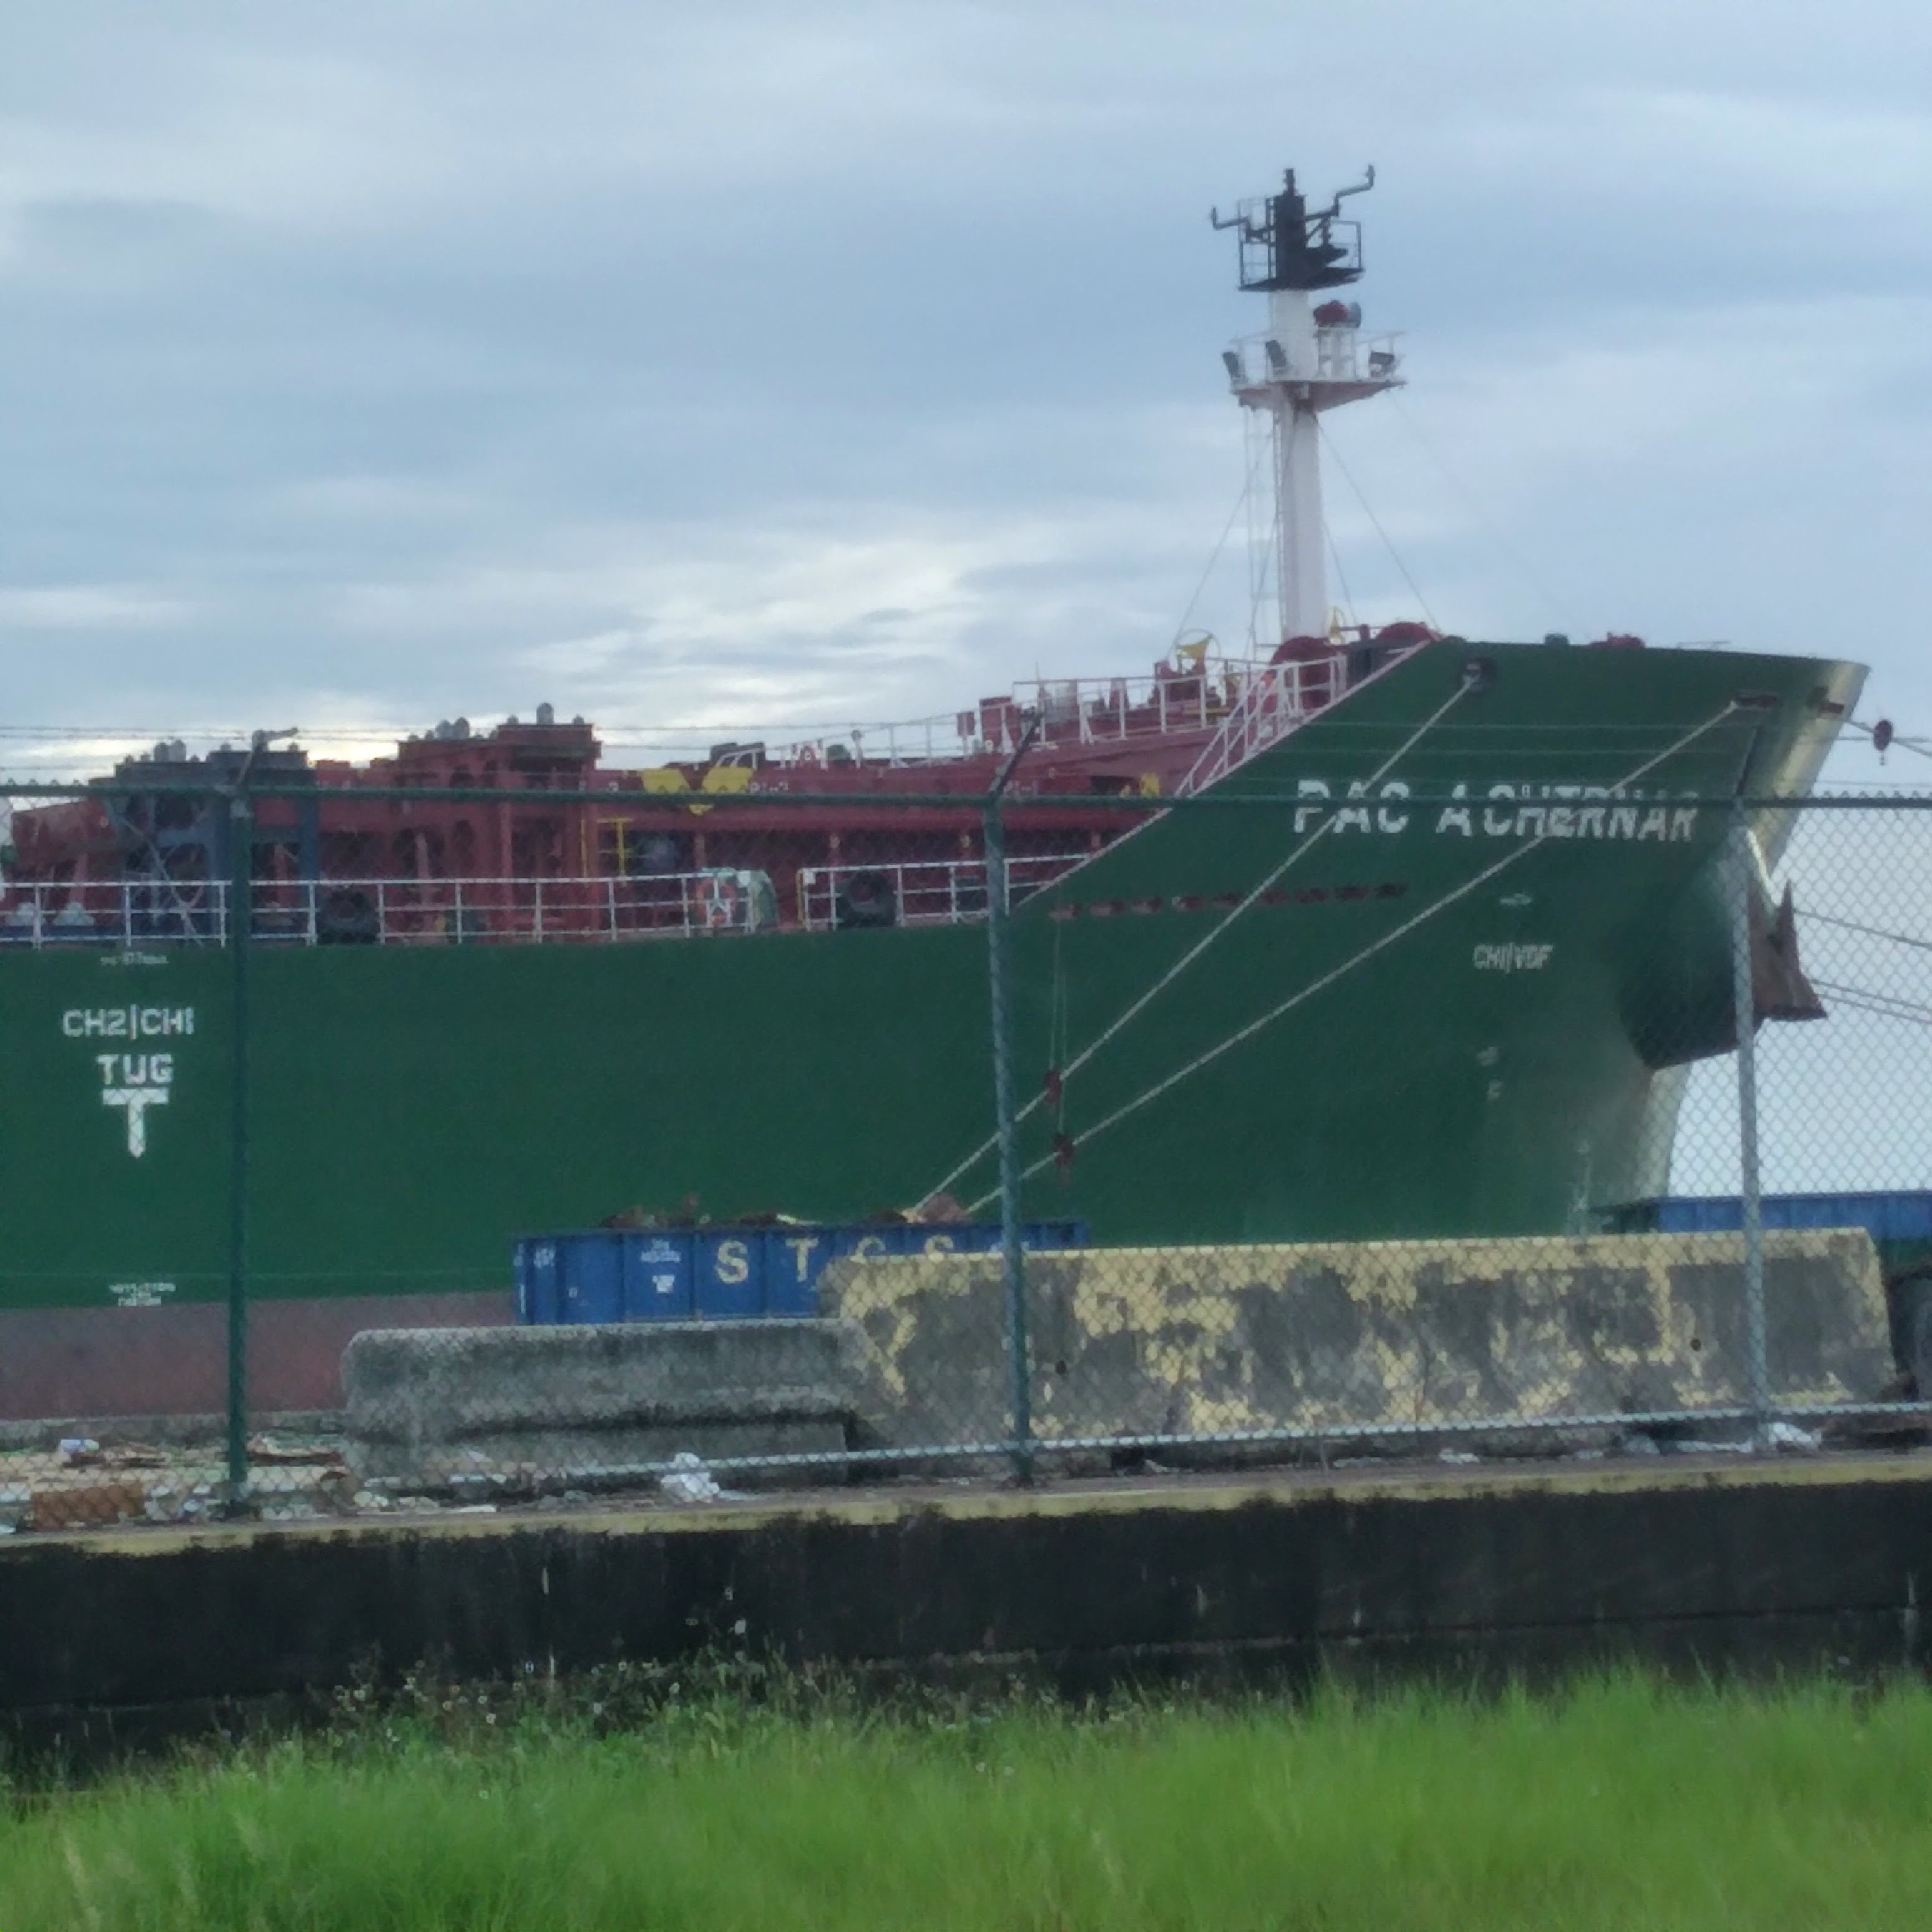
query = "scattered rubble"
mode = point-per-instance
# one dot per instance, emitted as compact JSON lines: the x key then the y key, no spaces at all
{"x":689,"y":1480}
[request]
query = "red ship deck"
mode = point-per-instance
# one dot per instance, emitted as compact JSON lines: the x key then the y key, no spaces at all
{"x":337,"y":867}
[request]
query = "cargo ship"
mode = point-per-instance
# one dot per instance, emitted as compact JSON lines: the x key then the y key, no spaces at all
{"x":1444,"y":975}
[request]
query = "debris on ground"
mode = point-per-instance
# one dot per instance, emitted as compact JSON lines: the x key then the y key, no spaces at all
{"x":689,"y":1480}
{"x":86,"y":1505}
{"x":335,"y":1489}
{"x":266,"y":1449}
{"x":178,"y":1501}
{"x":939,"y":1209}
{"x":84,"y":1453}
{"x":686,"y":1214}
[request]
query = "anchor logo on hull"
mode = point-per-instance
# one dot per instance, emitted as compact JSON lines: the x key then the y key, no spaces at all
{"x":144,"y":1081}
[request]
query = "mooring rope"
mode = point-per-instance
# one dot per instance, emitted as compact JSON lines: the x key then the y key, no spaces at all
{"x":1221,"y":543}
{"x":1132,"y":1012}
{"x":1328,"y":979}
{"x":1884,"y":737}
{"x":1889,"y":1006}
{"x":1871,"y":931}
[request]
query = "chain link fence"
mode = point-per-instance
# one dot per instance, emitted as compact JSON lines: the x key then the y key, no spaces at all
{"x":1035,"y":1151}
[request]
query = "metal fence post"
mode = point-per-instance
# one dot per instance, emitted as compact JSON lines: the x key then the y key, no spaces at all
{"x":1012,"y":1244}
{"x":241,"y":884}
{"x":1744,"y":1009}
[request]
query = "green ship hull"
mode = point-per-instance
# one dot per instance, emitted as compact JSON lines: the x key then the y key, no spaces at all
{"x":1467,"y":1017}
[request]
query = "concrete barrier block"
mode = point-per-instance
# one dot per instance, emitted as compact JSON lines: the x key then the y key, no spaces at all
{"x":425,"y":1403}
{"x":1400,"y":1335}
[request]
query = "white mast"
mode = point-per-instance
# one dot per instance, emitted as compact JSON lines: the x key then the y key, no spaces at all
{"x":1310,"y":358}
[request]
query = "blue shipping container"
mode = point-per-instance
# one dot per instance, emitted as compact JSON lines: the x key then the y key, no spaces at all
{"x":1886,"y":1217}
{"x":725,"y":1273}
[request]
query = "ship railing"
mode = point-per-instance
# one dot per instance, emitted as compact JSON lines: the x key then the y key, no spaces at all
{"x":1071,"y":711}
{"x":480,"y":911}
{"x":1100,"y":711}
{"x":917,"y":741}
{"x":936,"y":892}
{"x":403,"y":911}
{"x":1339,"y":355}
{"x":1274,"y":702}
{"x":410,"y":911}
{"x":74,"y":913}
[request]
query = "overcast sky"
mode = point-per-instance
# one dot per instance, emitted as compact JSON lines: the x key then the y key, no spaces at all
{"x":365,"y":364}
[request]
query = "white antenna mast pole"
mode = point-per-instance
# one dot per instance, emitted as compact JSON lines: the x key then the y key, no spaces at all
{"x":1313,"y":356}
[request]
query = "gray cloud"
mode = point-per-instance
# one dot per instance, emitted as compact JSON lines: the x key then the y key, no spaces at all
{"x":371,"y":364}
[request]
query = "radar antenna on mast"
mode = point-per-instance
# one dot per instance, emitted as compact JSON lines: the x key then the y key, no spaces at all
{"x":1283,"y":246}
{"x":1307,"y":360}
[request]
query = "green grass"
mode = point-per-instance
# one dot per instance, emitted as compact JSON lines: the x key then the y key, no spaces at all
{"x":1617,"y":1804}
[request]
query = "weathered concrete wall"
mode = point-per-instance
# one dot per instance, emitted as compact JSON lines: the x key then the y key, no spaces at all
{"x":1763,"y":1566}
{"x":1354,"y":1336}
{"x":548,"y":1402}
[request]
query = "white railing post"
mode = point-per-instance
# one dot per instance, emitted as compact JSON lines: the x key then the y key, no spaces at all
{"x":610,"y":903}
{"x":312,"y":890}
{"x":536,"y":910}
{"x":382,"y":913}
